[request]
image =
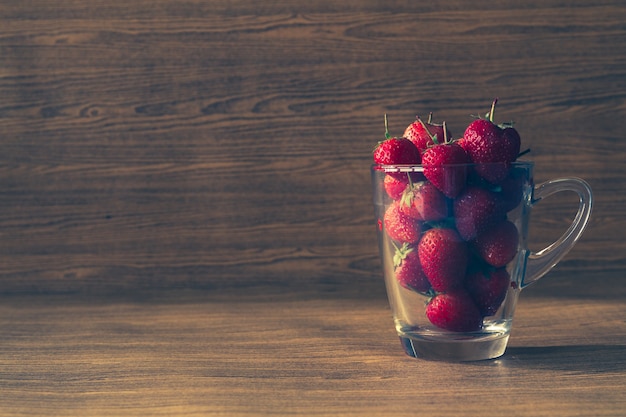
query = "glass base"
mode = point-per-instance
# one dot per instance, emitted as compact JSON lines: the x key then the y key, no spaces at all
{"x":455,"y":350}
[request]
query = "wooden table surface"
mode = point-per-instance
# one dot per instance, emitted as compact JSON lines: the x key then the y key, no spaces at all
{"x":287,"y":355}
{"x":186,"y":224}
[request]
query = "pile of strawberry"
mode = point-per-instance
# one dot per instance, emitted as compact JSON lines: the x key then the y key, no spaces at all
{"x":449,"y":224}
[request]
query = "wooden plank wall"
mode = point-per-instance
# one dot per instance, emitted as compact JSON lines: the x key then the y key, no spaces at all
{"x":225,"y":145}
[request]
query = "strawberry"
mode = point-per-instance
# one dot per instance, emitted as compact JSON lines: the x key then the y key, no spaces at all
{"x":489,"y":144}
{"x":400,"y":227}
{"x":513,"y":141}
{"x":443,"y":256}
{"x":475,"y":210}
{"x":454,"y":311}
{"x":425,"y":134}
{"x":396,"y":183}
{"x":498,"y":244}
{"x":408,"y":269}
{"x":395,"y":186}
{"x":441,"y":167}
{"x":396,"y":151}
{"x":488,"y":288}
{"x":423,"y":201}
{"x":512,"y":190}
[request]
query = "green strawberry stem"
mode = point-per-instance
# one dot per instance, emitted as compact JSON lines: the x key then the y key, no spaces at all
{"x":432,"y":137}
{"x":523,"y":152}
{"x":430,"y":294}
{"x":408,"y":176}
{"x":400,"y":253}
{"x":493,"y":109}
{"x":409,"y":193}
{"x":397,"y":256}
{"x":387,"y":135}
{"x":445,"y":132}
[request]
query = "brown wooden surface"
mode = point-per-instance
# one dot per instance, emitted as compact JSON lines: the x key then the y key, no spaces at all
{"x":186,"y":222}
{"x":280,"y":356}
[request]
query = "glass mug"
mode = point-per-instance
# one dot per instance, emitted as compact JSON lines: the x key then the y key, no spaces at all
{"x":454,"y":265}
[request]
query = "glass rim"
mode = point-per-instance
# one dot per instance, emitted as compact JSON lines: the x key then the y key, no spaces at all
{"x":420,"y":168}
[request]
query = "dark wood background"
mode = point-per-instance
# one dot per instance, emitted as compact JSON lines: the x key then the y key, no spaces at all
{"x":151,"y":147}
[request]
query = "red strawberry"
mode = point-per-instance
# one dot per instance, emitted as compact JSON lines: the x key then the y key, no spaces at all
{"x":454,"y":311}
{"x":488,"y":144}
{"x":512,"y":190}
{"x":395,"y":186}
{"x":425,"y":134}
{"x":399,"y":226}
{"x":396,"y":151}
{"x":513,"y":140}
{"x":488,"y":289}
{"x":423,"y":201}
{"x":408,"y":269}
{"x":441,"y":167}
{"x":443,"y":256}
{"x":475,"y":210}
{"x":498,"y":244}
{"x":396,"y":183}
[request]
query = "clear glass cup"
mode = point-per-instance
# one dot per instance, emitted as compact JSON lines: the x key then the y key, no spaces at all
{"x":482,"y":255}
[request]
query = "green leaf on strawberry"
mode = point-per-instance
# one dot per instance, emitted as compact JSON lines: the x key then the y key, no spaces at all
{"x":408,"y":269}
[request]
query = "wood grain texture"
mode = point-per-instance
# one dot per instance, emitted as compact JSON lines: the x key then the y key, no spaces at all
{"x":164,"y":145}
{"x":62,"y":356}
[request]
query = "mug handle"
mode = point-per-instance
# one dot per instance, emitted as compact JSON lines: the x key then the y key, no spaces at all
{"x":539,"y":263}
